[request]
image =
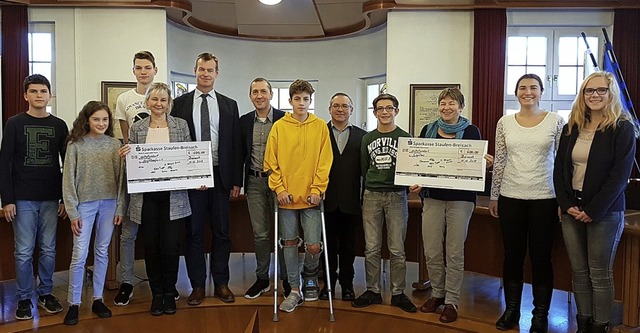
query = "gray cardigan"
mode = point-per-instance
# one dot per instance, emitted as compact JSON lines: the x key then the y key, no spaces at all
{"x":179,"y":206}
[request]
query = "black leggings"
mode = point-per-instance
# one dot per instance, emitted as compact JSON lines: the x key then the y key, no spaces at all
{"x":532,"y":223}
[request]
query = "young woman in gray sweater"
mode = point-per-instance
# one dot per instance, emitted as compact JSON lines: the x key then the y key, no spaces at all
{"x":93,"y":194}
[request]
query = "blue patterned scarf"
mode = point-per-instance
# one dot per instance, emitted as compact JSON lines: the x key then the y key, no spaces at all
{"x":457,"y":128}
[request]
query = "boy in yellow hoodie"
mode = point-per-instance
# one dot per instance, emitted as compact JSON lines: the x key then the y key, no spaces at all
{"x":298,"y":158}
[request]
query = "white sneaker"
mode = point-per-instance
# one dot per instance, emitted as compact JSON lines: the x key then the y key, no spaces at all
{"x":291,"y":303}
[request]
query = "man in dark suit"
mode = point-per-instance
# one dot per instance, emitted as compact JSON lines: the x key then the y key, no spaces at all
{"x":342,"y":200}
{"x":211,"y":117}
{"x":254,"y":129}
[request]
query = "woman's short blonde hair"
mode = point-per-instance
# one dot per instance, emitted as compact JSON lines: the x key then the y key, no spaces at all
{"x":159,"y":87}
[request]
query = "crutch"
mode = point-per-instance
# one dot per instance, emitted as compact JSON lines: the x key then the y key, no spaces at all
{"x":275,"y":253}
{"x":326,"y":261}
{"x":275,"y":261}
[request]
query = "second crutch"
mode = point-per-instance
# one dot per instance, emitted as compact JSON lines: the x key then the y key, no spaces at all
{"x":275,"y":261}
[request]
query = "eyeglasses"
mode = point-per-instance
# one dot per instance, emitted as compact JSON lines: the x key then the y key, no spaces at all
{"x":600,"y":91}
{"x":340,"y":106}
{"x":388,"y":108}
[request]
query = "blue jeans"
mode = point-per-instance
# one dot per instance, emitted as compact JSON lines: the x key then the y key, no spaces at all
{"x":592,"y":250}
{"x":99,"y":213}
{"x":379,"y":208}
{"x":129,"y":232}
{"x":310,"y":220}
{"x":35,"y":222}
{"x":260,"y":203}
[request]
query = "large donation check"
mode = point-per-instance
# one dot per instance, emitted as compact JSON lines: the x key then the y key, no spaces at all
{"x":169,"y":166}
{"x":441,"y":163}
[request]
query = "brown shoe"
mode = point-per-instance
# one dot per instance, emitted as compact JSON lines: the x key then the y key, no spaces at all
{"x":449,"y":313}
{"x":432,"y":304}
{"x":196,"y":297}
{"x":224,"y":293}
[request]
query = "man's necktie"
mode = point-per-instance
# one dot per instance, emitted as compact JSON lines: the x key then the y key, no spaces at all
{"x":205,"y":125}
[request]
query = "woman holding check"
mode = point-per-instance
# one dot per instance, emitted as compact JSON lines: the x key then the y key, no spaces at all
{"x":446,"y":213}
{"x":160,"y":213}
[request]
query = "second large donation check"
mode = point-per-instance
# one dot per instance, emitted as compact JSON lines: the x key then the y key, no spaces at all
{"x":441,"y":163}
{"x":169,"y":166}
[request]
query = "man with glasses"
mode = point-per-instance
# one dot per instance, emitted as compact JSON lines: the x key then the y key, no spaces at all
{"x":212,"y":117}
{"x":342,"y":200}
{"x":384,"y":201}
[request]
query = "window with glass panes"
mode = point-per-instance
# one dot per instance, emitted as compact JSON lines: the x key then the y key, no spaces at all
{"x":280,"y":98}
{"x":557,"y":55}
{"x":42,"y":55}
{"x":375,"y":87}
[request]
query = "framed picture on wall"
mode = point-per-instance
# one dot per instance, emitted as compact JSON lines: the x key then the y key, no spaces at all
{"x":179,"y":89}
{"x":110,"y":92}
{"x":423,"y":107}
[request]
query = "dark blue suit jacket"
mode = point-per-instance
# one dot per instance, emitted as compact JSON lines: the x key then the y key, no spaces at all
{"x":246,"y":130}
{"x":229,"y":149}
{"x":345,"y":178}
{"x":608,"y":169}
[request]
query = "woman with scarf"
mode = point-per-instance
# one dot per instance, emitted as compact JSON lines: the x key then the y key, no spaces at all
{"x":446,"y":213}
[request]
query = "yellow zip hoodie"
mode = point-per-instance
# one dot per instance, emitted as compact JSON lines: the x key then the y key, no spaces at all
{"x":298,"y":157}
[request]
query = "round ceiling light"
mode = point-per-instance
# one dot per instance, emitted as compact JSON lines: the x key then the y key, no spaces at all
{"x":270,"y":2}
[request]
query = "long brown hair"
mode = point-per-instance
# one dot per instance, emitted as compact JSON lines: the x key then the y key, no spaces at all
{"x":81,"y":124}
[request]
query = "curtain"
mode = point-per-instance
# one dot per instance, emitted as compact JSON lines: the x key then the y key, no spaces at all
{"x":15,"y":59}
{"x":489,"y":54}
{"x":626,"y":45}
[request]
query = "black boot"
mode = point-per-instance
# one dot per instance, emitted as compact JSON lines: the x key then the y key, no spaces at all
{"x":584,"y":323}
{"x":599,"y":327}
{"x":512,"y":298}
{"x":157,"y":305}
{"x":541,"y":304}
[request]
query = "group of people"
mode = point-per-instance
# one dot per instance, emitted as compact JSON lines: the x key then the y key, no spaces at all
{"x":544,"y":171}
{"x":544,"y":168}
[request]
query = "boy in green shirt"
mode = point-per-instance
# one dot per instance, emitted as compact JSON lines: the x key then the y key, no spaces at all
{"x":383,"y":200}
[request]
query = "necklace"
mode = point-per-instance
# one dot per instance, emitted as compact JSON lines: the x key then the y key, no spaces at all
{"x":158,"y":123}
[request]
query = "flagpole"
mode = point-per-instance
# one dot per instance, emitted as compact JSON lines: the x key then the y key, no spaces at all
{"x":593,"y":58}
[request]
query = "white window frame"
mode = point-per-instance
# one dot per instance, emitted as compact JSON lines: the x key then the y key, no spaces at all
{"x":550,"y":100}
{"x":380,"y":82}
{"x":45,"y":27}
{"x":281,"y":87}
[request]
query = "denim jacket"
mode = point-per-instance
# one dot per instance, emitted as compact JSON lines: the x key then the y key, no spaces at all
{"x":179,"y":206}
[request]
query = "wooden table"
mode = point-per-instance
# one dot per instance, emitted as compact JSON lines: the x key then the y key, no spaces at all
{"x":483,"y":250}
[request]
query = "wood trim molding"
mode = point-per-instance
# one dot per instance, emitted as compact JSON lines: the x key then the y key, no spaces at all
{"x":370,"y":9}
